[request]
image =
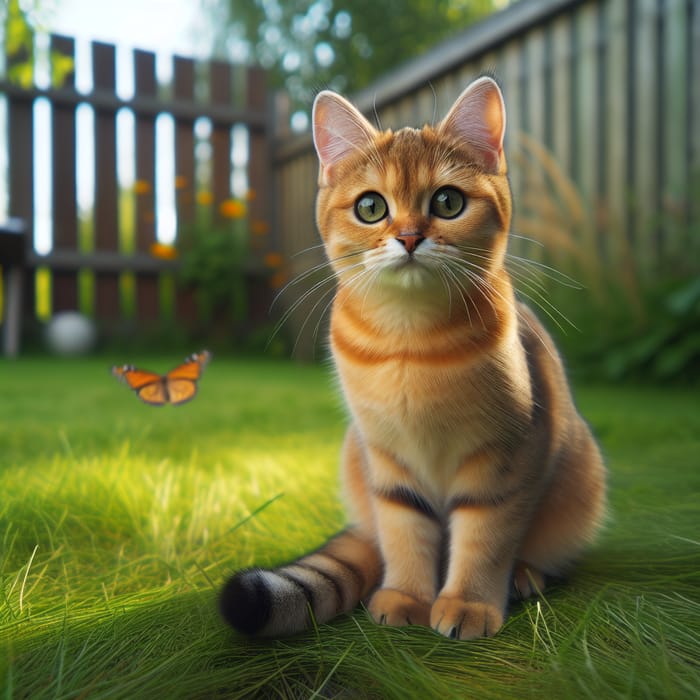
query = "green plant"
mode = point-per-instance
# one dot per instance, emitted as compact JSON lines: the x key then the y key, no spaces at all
{"x":215,"y":261}
{"x":623,"y":320}
{"x":665,"y":347}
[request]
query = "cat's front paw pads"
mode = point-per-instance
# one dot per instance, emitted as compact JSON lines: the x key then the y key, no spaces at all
{"x":457,"y":619}
{"x":391,"y":607}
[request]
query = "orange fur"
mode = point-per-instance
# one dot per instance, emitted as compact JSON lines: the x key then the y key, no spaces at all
{"x":467,"y":470}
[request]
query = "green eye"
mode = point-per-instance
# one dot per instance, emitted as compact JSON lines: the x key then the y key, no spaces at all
{"x":370,"y":208}
{"x":447,"y":203}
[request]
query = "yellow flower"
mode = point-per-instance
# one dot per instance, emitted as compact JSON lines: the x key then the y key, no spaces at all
{"x":232,"y":209}
{"x":142,"y":187}
{"x":205,"y":198}
{"x":163,"y":251}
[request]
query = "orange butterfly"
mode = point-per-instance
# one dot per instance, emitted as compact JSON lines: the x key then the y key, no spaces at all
{"x":175,"y":387}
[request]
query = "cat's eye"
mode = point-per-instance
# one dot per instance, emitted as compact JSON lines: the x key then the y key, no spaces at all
{"x":447,"y":203}
{"x":371,"y":207}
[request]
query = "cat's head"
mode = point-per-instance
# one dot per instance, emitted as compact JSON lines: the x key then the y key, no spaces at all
{"x":414,"y":208}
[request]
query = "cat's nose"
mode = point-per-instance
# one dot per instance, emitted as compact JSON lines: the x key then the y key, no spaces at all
{"x":410,"y":241}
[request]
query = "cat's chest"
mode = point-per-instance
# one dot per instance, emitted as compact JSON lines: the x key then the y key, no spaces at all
{"x":429,"y":416}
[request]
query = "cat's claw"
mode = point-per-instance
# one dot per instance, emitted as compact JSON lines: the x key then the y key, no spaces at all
{"x":456,"y":619}
{"x":397,"y":609}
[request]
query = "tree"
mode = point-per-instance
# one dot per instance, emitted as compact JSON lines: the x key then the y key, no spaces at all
{"x":308,"y":45}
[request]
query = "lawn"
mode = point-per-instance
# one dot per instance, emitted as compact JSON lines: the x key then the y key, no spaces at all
{"x":119,"y":521}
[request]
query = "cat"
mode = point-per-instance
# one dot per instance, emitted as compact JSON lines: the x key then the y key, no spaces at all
{"x":468,"y":473}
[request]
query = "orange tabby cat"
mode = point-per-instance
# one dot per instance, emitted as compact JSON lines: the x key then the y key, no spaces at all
{"x":468,"y":472}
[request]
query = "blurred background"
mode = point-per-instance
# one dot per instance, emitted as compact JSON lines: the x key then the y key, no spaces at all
{"x":157,"y":175}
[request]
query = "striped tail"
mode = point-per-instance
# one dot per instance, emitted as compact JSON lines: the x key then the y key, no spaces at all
{"x":327,"y":582}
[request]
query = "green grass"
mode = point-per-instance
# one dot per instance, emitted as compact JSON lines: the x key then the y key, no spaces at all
{"x":118,"y":523}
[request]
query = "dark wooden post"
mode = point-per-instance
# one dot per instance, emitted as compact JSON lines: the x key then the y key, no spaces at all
{"x":147,"y":297}
{"x":107,"y":302}
{"x":64,"y":283}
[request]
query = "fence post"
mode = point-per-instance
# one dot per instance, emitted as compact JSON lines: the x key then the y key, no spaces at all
{"x":64,"y":283}
{"x":107,"y":302}
{"x":147,"y":301}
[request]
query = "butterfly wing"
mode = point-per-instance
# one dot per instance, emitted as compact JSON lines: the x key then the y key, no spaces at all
{"x":181,"y":382}
{"x":176,"y":387}
{"x":149,"y":386}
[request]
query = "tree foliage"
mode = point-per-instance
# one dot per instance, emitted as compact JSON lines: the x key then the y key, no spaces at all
{"x":311,"y":44}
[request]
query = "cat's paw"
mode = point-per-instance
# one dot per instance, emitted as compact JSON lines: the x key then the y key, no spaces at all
{"x":391,"y":607}
{"x":458,"y":619}
{"x":527,"y":581}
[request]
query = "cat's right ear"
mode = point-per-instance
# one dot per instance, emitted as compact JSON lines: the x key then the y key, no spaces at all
{"x":338,"y":129}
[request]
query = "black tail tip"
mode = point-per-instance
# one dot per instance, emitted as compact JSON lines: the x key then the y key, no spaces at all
{"x":245,"y":601}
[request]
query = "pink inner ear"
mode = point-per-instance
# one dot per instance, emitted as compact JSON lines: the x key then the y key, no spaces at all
{"x":338,"y":129}
{"x":479,"y":118}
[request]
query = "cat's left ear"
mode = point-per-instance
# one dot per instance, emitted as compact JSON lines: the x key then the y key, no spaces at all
{"x":339,"y":130}
{"x":478,"y":117}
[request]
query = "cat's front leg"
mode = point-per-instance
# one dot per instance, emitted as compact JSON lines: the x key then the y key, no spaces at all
{"x":473,"y":599}
{"x":409,"y":535}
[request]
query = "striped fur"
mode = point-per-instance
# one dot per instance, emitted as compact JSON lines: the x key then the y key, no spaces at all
{"x":468,"y":472}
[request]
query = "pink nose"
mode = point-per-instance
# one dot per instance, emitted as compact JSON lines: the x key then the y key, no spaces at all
{"x":410,"y":241}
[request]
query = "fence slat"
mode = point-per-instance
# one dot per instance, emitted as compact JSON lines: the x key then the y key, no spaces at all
{"x":20,"y":128}
{"x":107,"y":300}
{"x":147,"y":296}
{"x":64,"y":284}
{"x":220,"y":94}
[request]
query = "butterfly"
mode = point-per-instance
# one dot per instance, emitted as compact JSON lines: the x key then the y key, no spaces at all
{"x":175,"y":387}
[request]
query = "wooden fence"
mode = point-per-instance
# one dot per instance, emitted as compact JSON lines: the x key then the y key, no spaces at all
{"x":106,"y":261}
{"x":603,"y":134}
{"x":603,"y":142}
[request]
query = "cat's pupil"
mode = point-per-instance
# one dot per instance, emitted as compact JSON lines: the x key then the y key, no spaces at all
{"x":447,"y":203}
{"x":371,"y":207}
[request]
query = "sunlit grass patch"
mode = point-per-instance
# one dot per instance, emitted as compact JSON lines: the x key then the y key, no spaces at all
{"x":119,"y":522}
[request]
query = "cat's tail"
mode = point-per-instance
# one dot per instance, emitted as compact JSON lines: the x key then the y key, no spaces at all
{"x":329,"y":581}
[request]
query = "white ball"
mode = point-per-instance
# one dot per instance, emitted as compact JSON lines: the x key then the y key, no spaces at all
{"x":70,"y":333}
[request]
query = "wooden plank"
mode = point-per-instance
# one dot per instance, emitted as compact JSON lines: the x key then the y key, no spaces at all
{"x":104,"y":100}
{"x":64,"y":285}
{"x":674,"y":195}
{"x":220,"y":94}
{"x":561,"y":102}
{"x":617,"y":122}
{"x":107,"y":306}
{"x":185,"y":307}
{"x":694,"y":126}
{"x":647,"y":133}
{"x":184,"y":143}
{"x":511,"y":94}
{"x":259,"y":201}
{"x":20,"y":140}
{"x":145,"y":85}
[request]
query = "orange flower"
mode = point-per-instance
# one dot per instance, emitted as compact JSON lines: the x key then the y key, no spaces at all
{"x":273,"y":260}
{"x":142,"y":187}
{"x":164,"y":251}
{"x":232,"y":209}
{"x":205,"y":198}
{"x":259,"y":227}
{"x":180,"y":182}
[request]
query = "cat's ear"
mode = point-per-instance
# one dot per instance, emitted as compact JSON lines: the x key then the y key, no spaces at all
{"x":339,"y":129}
{"x":479,"y":118}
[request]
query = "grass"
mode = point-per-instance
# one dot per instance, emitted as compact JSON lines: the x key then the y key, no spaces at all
{"x":118,"y":523}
